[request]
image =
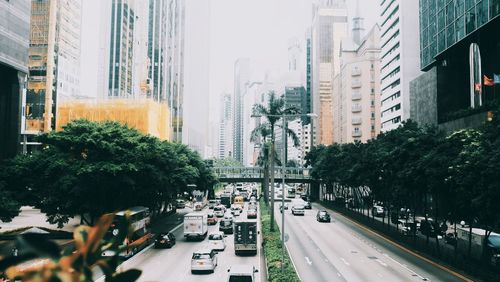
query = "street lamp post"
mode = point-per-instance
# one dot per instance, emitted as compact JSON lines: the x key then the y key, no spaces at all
{"x":283,"y":117}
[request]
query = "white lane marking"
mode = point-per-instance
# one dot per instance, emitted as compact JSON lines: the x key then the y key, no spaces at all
{"x":177,"y":227}
{"x":381,"y":263}
{"x":308,"y":261}
{"x":407,"y":268}
{"x":344,"y":261}
{"x":338,"y":274}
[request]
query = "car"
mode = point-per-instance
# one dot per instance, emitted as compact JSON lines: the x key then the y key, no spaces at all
{"x":242,"y":273}
{"x":298,"y":210}
{"x":378,"y":211}
{"x":211,"y":219}
{"x":450,"y":238}
{"x":226,"y":225}
{"x":216,"y":241}
{"x":251,"y":206}
{"x":406,"y":227}
{"x":236,"y":212}
{"x":164,"y":240}
{"x":323,"y":216}
{"x":283,"y":208}
{"x":305,"y":198}
{"x":204,"y":260}
{"x":234,"y":208}
{"x":307,"y":205}
{"x":212,"y":204}
{"x":219,"y":210}
{"x":180,"y":204}
{"x":251,"y":213}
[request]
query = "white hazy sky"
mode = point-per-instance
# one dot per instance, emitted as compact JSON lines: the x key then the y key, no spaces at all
{"x":259,"y":30}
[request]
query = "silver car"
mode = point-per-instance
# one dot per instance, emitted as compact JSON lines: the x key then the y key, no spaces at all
{"x":298,"y":210}
{"x":204,"y":260}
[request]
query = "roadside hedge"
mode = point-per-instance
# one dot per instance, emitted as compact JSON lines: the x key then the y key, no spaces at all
{"x":272,"y":251}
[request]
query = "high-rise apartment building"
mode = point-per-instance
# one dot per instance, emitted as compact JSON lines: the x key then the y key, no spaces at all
{"x":399,"y":59}
{"x":458,"y":50}
{"x":356,"y":105}
{"x":197,"y":77}
{"x":54,"y":61}
{"x":225,"y":127}
{"x":14,"y":43}
{"x":328,"y":28}
{"x":121,"y":49}
{"x":241,"y":81}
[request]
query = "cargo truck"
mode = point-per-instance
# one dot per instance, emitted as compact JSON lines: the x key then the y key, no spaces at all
{"x":245,"y":237}
{"x":195,"y":226}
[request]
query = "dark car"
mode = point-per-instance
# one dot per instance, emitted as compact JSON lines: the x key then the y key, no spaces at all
{"x":323,"y":216}
{"x":165,"y":240}
{"x":307,"y":205}
{"x":450,"y":239}
{"x":305,"y":198}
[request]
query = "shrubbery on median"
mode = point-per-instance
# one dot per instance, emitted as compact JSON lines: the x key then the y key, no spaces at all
{"x":272,"y":250}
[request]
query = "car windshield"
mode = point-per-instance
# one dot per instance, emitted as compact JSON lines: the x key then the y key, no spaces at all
{"x":322,"y":213}
{"x":217,"y":209}
{"x":299,"y":207}
{"x":210,"y":215}
{"x":226,"y":223}
{"x":214,"y":237}
{"x":240,"y":278}
{"x":201,"y":256}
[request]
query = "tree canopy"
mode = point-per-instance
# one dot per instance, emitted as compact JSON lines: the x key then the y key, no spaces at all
{"x":90,"y":169}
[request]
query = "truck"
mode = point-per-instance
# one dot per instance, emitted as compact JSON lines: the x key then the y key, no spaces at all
{"x":492,"y":247}
{"x":245,"y":237}
{"x":195,"y":226}
{"x":225,"y":199}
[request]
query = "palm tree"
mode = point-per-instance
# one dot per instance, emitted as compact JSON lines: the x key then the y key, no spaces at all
{"x":272,"y":112}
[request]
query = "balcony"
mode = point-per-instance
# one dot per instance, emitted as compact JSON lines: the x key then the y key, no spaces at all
{"x":356,"y":83}
{"x":356,"y":133}
{"x":356,"y":95}
{"x":355,"y":72}
{"x":356,"y":121}
{"x":356,"y":108}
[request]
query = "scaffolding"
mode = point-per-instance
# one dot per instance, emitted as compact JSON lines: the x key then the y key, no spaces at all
{"x":145,"y":115}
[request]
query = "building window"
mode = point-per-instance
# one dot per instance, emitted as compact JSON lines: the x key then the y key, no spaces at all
{"x":470,"y":21}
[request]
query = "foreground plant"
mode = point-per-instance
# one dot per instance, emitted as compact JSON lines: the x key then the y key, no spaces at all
{"x":40,"y":259}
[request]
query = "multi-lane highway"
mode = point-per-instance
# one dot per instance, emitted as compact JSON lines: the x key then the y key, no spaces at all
{"x":345,"y":251}
{"x":175,"y":264}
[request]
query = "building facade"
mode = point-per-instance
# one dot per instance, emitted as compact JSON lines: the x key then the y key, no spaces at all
{"x":54,"y":61}
{"x":241,"y":81}
{"x":14,"y":44}
{"x":449,"y":32}
{"x":329,"y":27}
{"x":356,"y":106}
{"x":121,"y":49}
{"x":399,"y":59}
{"x":225,"y":127}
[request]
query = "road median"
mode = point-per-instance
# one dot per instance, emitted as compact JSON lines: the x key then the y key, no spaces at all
{"x":271,"y":241}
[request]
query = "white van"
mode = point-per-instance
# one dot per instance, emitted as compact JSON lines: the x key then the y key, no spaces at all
{"x":243,"y":272}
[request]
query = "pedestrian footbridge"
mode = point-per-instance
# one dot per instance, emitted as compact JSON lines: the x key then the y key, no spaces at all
{"x":256,"y":174}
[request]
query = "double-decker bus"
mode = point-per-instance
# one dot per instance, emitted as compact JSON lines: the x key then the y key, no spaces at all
{"x":140,"y":235}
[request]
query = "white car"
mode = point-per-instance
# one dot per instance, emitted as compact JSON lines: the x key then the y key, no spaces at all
{"x":235,"y":209}
{"x":219,"y":211}
{"x":298,"y":210}
{"x":203,"y":260}
{"x":216,"y":241}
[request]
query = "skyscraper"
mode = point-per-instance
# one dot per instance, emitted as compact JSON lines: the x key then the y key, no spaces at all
{"x":14,"y":38}
{"x":225,"y":127}
{"x":196,"y":79}
{"x":121,"y":49}
{"x":54,"y":61}
{"x":241,"y":80}
{"x":458,"y":50}
{"x":328,"y":28}
{"x":399,"y":59}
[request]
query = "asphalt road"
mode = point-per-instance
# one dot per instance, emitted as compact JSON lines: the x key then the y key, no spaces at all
{"x":344,"y":251}
{"x":175,"y":264}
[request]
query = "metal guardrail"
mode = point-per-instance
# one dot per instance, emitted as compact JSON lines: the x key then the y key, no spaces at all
{"x":258,"y":173}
